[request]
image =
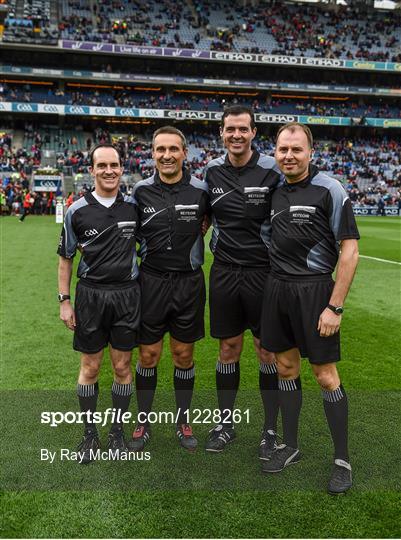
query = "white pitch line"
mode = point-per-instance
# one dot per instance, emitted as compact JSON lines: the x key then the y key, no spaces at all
{"x":380,"y":260}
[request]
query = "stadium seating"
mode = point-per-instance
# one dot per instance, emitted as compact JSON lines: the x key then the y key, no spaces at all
{"x":162,"y":100}
{"x":277,"y":28}
{"x":368,"y":168}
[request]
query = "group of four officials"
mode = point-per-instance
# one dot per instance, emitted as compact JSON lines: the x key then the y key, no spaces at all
{"x":279,"y":228}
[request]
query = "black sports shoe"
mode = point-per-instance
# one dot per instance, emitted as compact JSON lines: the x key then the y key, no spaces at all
{"x":186,"y":437}
{"x":268,"y":444}
{"x":140,"y":437}
{"x":116,"y":441}
{"x":88,"y":447}
{"x":282,"y":457}
{"x":341,"y":478}
{"x":219,"y":437}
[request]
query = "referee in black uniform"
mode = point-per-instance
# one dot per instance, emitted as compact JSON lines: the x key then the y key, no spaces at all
{"x":171,"y":206}
{"x":240,"y":186}
{"x":102,"y":225}
{"x":313,"y":227}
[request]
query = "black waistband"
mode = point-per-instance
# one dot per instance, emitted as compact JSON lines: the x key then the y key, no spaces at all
{"x":107,"y":286}
{"x":298,"y":278}
{"x":166,"y":275}
{"x":237,"y":267}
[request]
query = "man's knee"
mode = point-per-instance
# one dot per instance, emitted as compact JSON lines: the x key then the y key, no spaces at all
{"x":230,"y":349}
{"x":288,"y":364}
{"x":90,"y":367}
{"x":327,"y":376}
{"x":182,"y":354}
{"x":266,"y":357}
{"x":149,"y":355}
{"x":121,"y":362}
{"x":122,"y":368}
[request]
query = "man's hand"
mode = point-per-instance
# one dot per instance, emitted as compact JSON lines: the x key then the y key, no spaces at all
{"x":329,"y":323}
{"x":67,"y":314}
{"x":205,"y":224}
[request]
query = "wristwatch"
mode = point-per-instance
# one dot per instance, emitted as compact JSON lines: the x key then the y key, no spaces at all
{"x":62,"y":297}
{"x":338,"y":310}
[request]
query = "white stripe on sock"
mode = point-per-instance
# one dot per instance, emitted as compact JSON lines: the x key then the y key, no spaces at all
{"x":225,"y":369}
{"x":287,"y":385}
{"x":86,"y":390}
{"x":333,"y":396}
{"x":268,"y":369}
{"x":145,"y":372}
{"x":121,"y":389}
{"x":184,"y":373}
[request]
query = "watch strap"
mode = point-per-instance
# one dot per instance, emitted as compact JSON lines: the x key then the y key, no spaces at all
{"x":338,"y":310}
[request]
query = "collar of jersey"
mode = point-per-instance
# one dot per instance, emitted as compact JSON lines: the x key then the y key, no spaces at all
{"x":313,"y":171}
{"x":186,"y":177}
{"x":251,"y":163}
{"x":90,"y":199}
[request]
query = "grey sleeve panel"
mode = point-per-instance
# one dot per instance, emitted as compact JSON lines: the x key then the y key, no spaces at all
{"x":69,"y":237}
{"x":143,"y":249}
{"x":338,"y":198}
{"x":83,"y":268}
{"x":130,"y":199}
{"x":215,"y":235}
{"x":147,"y":182}
{"x":134,"y":267}
{"x":214,"y":163}
{"x":197,"y":253}
{"x":266,"y":232}
{"x":268,"y":162}
{"x":320,"y":257}
{"x":199,"y":184}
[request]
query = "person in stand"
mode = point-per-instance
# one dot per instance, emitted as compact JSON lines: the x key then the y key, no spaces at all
{"x":313,"y":232}
{"x":171,"y":205}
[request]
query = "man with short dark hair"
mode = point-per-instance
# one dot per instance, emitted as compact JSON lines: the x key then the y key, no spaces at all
{"x":313,"y":228}
{"x":102,"y":226}
{"x":240,"y":186}
{"x":171,"y":206}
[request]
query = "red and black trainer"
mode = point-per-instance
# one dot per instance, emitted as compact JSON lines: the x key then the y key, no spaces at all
{"x":186,"y":437}
{"x":140,"y":437}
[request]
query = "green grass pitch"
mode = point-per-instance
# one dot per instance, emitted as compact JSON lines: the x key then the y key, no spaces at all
{"x":195,"y":495}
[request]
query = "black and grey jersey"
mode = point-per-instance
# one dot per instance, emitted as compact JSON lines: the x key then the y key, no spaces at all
{"x":106,"y":238}
{"x":309,"y":220}
{"x":240,"y":203}
{"x":170,"y":219}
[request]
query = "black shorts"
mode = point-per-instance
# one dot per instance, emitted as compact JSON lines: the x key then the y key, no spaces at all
{"x":291,"y":311}
{"x":172,"y":302}
{"x":106,"y":316}
{"x":235,"y":298}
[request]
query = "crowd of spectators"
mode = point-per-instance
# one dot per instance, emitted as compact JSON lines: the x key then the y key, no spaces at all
{"x":277,"y":28}
{"x":369,"y":169}
{"x":263,"y":103}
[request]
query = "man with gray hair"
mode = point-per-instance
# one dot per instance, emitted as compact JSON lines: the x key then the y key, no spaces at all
{"x":171,"y":206}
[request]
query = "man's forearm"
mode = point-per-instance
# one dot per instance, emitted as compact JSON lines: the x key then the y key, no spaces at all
{"x":64,"y":275}
{"x":346,"y":267}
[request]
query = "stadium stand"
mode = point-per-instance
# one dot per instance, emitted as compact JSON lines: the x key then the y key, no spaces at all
{"x":368,"y":168}
{"x":364,"y":155}
{"x":128,"y":97}
{"x":274,"y":28}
